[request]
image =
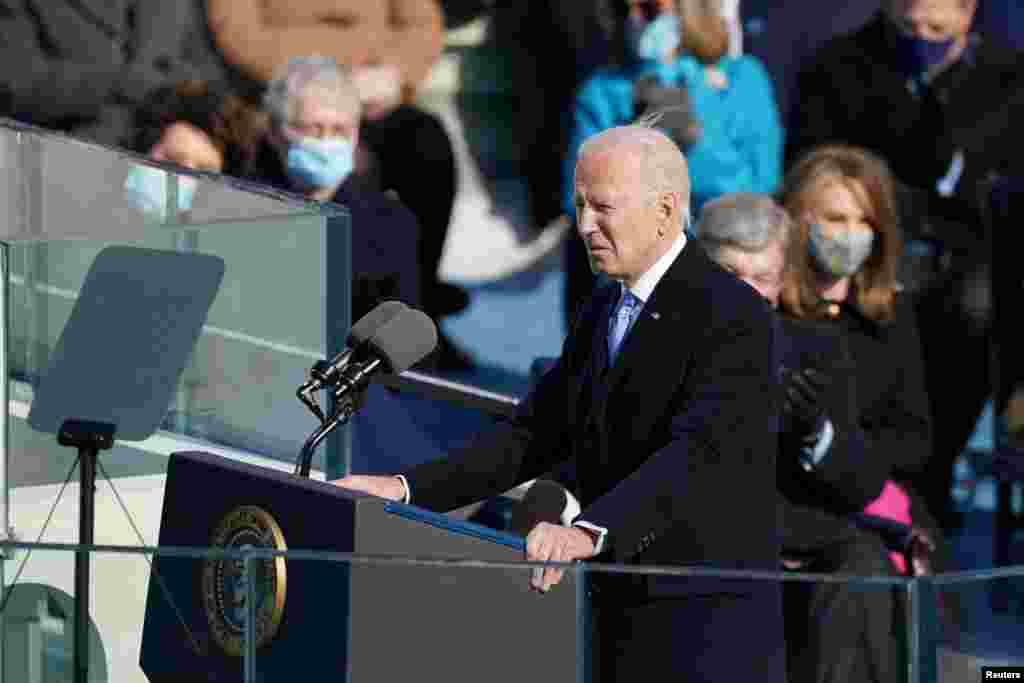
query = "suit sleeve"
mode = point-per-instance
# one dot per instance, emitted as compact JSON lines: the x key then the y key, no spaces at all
{"x":726,"y":426}
{"x":42,"y":88}
{"x":533,"y":443}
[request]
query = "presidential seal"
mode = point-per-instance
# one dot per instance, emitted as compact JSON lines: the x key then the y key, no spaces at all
{"x":226,"y":581}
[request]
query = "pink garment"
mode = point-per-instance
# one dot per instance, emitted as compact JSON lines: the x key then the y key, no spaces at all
{"x":894,"y":504}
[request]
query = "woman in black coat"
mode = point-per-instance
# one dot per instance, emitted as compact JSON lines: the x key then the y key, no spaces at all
{"x":842,"y":272}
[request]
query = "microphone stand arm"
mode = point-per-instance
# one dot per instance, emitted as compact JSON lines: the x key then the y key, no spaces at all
{"x":348,"y":397}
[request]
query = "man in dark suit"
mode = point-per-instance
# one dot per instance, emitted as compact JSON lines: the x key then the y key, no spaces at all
{"x":83,"y":66}
{"x":664,"y":396}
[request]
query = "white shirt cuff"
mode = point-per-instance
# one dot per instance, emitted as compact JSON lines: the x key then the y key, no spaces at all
{"x":407,"y":496}
{"x":814,"y":454}
{"x":572,"y":511}
{"x":601,"y":532}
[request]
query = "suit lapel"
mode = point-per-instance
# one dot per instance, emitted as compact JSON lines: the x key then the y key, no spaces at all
{"x":591,"y":355}
{"x":656,"y":331}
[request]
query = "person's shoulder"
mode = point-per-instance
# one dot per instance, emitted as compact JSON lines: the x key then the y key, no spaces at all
{"x":858,"y":44}
{"x":607,"y":78}
{"x":381,"y":204}
{"x":745,"y":67}
{"x":812,"y":335}
{"x":904,"y":309}
{"x":993,"y":55}
{"x":728,"y":297}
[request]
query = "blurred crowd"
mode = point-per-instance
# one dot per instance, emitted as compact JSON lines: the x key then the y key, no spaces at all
{"x":848,"y":160}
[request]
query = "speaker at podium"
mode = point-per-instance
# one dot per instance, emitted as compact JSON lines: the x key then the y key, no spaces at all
{"x":338,"y":620}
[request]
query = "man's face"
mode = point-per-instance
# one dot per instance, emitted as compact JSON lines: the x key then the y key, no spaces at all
{"x":314,"y":116}
{"x":933,"y":20}
{"x":762,"y":270}
{"x":618,"y":215}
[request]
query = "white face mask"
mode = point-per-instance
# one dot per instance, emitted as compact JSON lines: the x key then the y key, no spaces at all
{"x":841,"y":253}
{"x":313,"y":163}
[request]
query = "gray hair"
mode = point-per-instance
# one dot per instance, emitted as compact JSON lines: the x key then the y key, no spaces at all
{"x":299,"y":75}
{"x":660,"y":154}
{"x":743,"y":220}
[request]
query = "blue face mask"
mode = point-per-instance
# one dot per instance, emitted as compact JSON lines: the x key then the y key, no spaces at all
{"x":314,"y":164}
{"x":916,"y":56}
{"x":653,"y":39}
{"x":146,"y":189}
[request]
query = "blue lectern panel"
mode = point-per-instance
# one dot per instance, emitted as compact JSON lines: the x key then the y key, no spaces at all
{"x":201,"y":490}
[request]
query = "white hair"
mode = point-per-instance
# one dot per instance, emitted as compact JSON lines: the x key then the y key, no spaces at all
{"x":743,"y":220}
{"x":313,"y":73}
{"x":665,"y":165}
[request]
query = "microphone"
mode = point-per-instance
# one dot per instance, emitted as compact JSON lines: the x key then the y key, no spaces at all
{"x":324,"y":373}
{"x":544,"y":501}
{"x":394,"y":346}
{"x":403,"y":338}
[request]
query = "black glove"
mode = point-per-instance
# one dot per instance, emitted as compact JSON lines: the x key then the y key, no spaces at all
{"x":677,"y":120}
{"x":803,"y":406}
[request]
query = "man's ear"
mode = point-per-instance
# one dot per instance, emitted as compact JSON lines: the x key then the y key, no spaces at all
{"x":668,"y":207}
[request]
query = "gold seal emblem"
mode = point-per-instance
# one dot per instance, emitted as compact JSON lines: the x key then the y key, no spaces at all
{"x":226,"y":581}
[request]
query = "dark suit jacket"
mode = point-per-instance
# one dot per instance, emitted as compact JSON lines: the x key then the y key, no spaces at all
{"x":674,"y":449}
{"x":683,"y":422}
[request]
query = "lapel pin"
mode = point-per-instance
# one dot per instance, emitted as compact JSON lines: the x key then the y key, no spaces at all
{"x":656,"y":315}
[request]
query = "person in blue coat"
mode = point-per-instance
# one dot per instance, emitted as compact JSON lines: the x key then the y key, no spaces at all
{"x":720,"y":109}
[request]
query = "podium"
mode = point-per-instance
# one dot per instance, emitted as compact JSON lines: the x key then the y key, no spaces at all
{"x":334,"y":620}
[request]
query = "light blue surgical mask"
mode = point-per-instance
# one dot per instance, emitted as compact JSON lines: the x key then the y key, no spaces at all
{"x":314,"y":163}
{"x":842,"y":252}
{"x":653,"y":39}
{"x":146,"y":189}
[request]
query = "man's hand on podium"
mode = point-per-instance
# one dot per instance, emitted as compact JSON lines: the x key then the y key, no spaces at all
{"x":556,"y":543}
{"x":391,"y":488}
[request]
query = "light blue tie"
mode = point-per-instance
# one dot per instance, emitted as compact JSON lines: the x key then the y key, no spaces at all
{"x":620,"y":323}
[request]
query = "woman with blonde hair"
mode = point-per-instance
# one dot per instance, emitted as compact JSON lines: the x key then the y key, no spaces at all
{"x":843,"y":271}
{"x":843,"y":195}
